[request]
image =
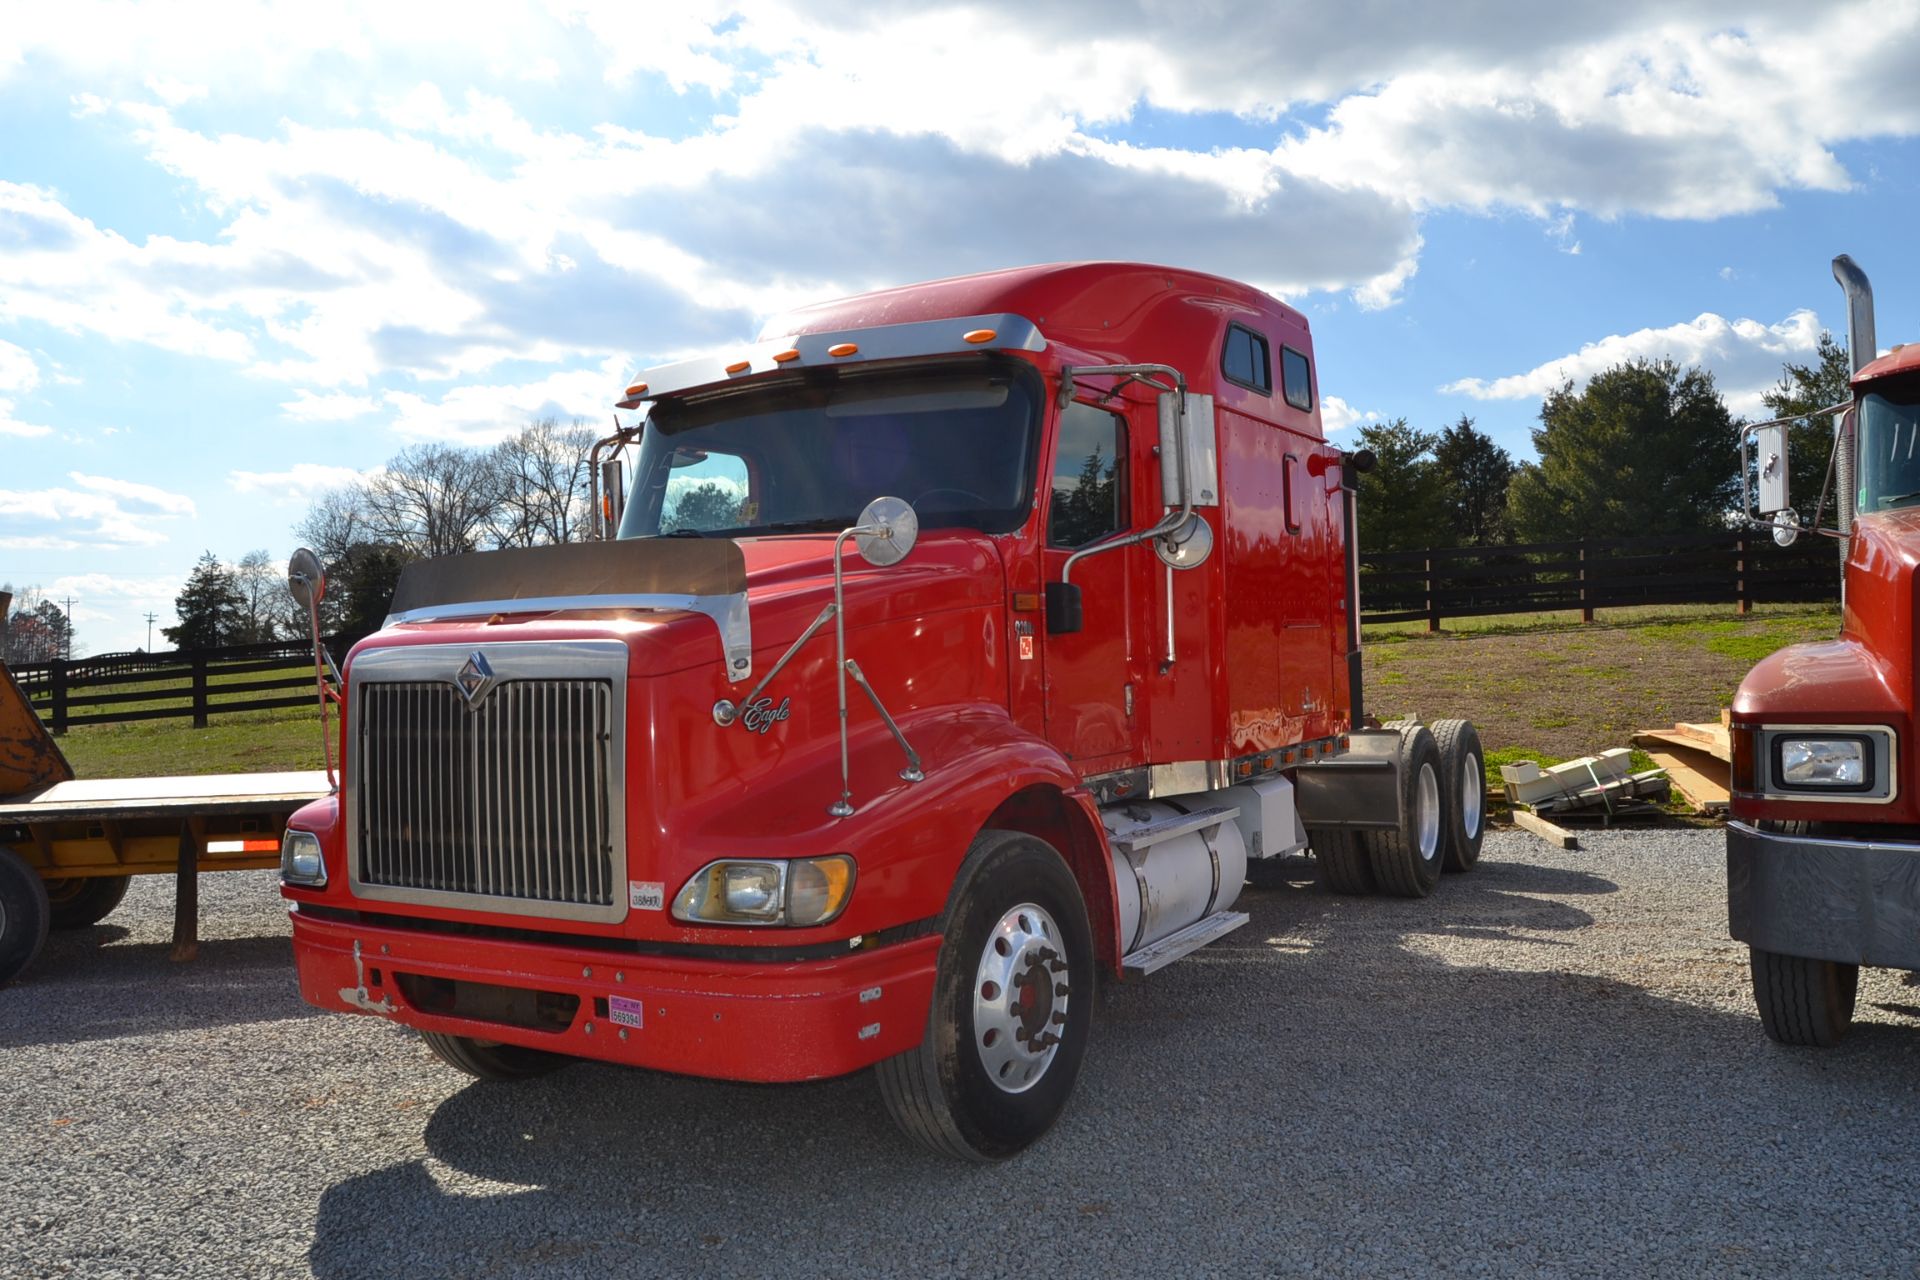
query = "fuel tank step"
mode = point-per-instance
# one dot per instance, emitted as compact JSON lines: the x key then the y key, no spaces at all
{"x":1158,"y":955}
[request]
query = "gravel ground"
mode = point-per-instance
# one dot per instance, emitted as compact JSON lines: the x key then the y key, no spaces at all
{"x":1552,"y":1067}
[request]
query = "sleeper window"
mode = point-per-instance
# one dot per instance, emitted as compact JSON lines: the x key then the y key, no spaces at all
{"x":1296,"y":379}
{"x":1245,"y":359}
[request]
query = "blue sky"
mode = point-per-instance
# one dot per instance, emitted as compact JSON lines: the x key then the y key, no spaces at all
{"x":248,"y":251}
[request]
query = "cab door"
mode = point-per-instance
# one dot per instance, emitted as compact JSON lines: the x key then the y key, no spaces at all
{"x":1092,"y":676}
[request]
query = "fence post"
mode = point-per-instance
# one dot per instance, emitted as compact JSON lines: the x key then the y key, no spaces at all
{"x":199,"y":690}
{"x":57,"y":680}
{"x":1741,"y":583}
{"x":1586,"y":601}
{"x":1433,"y":600}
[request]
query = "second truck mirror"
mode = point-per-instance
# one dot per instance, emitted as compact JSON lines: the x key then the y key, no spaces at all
{"x":1770,"y":459}
{"x":613,"y":497}
{"x":1203,"y":461}
{"x":1063,"y":608}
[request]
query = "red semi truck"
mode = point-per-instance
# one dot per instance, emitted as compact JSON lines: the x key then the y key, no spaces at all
{"x":959,"y":645}
{"x":1823,"y":853}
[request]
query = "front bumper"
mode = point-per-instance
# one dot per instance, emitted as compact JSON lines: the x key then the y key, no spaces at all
{"x":729,"y":1020}
{"x":1854,"y":901}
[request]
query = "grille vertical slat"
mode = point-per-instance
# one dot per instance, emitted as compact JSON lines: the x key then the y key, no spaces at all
{"x":508,"y":799}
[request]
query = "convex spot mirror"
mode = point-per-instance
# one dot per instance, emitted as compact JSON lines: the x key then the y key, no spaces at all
{"x":889,"y":527}
{"x":306,"y":579}
{"x":1202,"y":458}
{"x":1188,"y":546}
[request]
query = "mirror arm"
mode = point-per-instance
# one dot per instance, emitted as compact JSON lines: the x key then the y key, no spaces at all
{"x":1173,"y":520}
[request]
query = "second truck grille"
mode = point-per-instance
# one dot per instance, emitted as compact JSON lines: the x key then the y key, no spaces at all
{"x":507,"y":799}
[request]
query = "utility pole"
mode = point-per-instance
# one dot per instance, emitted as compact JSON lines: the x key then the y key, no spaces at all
{"x":150,"y":616}
{"x":67,"y":648}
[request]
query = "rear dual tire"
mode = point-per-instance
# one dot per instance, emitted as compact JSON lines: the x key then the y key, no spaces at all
{"x":1442,"y":824}
{"x":25,"y":915}
{"x":80,"y":901}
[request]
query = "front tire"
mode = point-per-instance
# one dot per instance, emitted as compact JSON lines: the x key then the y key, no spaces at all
{"x":1012,"y":1007}
{"x":78,"y":901}
{"x":1808,"y":1003}
{"x":24,"y":915}
{"x":491,"y":1060}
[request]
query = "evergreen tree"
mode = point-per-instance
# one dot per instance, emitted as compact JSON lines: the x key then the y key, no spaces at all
{"x":1474,"y":474}
{"x":1805,"y":388}
{"x":210,"y":608}
{"x":1402,"y":506}
{"x":1646,"y":449}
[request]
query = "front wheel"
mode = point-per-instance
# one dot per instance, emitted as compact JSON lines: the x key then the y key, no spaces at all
{"x":491,"y":1060}
{"x":1012,"y":1007}
{"x":1803,"y":1002}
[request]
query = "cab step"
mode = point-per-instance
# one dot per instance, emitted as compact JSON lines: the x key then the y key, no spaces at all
{"x":1158,"y":955}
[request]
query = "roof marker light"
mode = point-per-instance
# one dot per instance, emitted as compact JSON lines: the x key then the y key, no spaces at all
{"x":844,"y":349}
{"x":784,"y":357}
{"x":637,"y":390}
{"x":739,"y":366}
{"x":977,"y":336}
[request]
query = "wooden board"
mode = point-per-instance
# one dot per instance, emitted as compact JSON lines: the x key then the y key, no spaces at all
{"x":1560,"y":836}
{"x":1718,"y":747}
{"x":1701,"y":779}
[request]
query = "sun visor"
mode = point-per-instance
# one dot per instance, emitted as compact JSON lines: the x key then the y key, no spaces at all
{"x":702,"y":575}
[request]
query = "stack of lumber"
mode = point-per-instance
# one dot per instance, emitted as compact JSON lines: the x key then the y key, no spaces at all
{"x":1698,"y":757}
{"x":1602,"y":782}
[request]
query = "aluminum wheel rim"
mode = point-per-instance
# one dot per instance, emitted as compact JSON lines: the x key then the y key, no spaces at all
{"x":1472,"y":792}
{"x":1020,"y":992}
{"x":1426,"y":817}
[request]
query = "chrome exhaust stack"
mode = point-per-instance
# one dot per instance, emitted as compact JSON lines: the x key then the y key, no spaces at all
{"x":1861,"y":349}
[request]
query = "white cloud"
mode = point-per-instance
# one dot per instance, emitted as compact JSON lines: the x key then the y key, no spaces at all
{"x":18,"y":369}
{"x":339,"y":407}
{"x":1744,"y":356}
{"x":479,"y":415}
{"x":1337,"y":415}
{"x":299,"y":484}
{"x":12,"y":426}
{"x":101,"y":512}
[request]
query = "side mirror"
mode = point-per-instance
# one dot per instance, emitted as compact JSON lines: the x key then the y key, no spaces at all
{"x":1063,"y":608}
{"x":613,"y":497}
{"x":1770,"y":457}
{"x":889,"y":528}
{"x":306,"y":579}
{"x":1190,"y":417}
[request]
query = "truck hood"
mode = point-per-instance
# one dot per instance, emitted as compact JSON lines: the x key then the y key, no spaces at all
{"x":671,"y":600}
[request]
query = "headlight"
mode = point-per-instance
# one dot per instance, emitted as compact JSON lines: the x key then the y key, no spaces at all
{"x":1825,"y":762}
{"x":773,"y":891}
{"x":300,"y":860}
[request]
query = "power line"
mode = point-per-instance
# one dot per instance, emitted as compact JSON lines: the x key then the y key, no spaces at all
{"x":150,"y":617}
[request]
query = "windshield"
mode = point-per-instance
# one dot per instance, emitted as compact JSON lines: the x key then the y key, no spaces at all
{"x":810,"y":453}
{"x":1890,"y":448}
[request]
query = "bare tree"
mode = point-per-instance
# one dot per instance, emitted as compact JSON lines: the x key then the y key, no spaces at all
{"x":433,"y":500}
{"x":262,"y":591}
{"x":542,"y":473}
{"x":36,"y":630}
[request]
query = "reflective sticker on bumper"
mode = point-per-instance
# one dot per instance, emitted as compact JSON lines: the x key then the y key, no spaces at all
{"x":624,"y":1012}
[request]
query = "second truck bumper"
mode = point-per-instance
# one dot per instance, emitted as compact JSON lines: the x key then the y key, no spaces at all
{"x":1852,"y":901}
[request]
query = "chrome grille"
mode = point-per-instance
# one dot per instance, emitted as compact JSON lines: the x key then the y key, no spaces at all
{"x":512,"y":804}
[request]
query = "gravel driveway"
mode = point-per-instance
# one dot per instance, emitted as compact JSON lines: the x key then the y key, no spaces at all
{"x":1552,"y":1067}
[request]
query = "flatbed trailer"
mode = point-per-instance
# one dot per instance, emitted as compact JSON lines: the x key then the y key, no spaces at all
{"x":69,"y":847}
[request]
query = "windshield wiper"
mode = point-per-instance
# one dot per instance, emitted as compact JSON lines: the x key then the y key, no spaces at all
{"x":1893,"y":499}
{"x":819,"y":524}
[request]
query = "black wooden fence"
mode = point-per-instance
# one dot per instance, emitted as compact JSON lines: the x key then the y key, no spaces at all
{"x":123,"y":687}
{"x":1734,"y":567}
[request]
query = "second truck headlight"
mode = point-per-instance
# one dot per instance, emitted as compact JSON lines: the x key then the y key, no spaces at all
{"x":771,"y":891}
{"x":300,"y":859}
{"x":1824,"y":762}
